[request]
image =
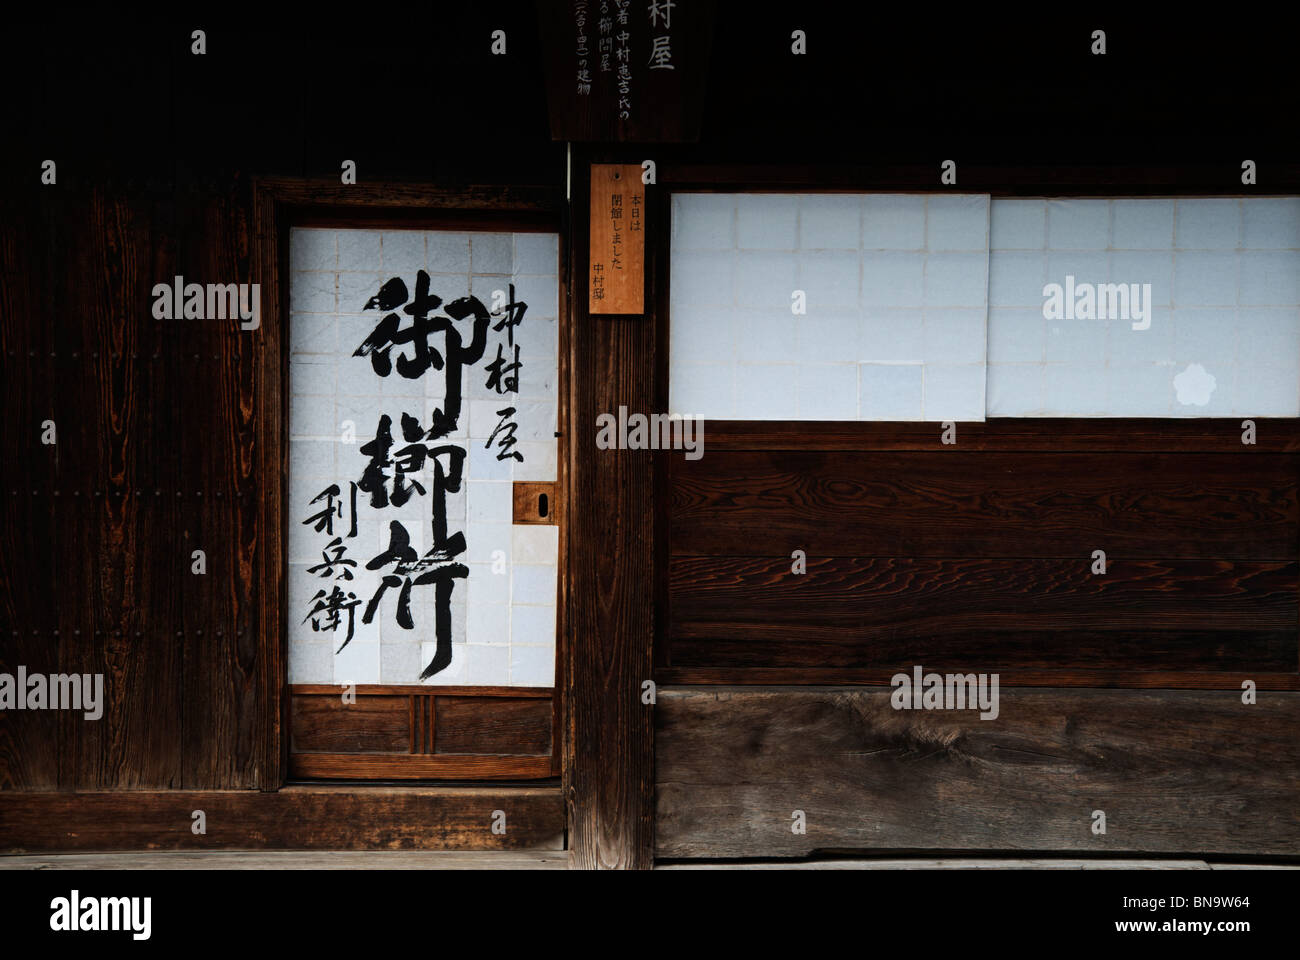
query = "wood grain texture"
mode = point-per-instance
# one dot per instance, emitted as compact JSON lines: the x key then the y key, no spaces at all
{"x":1184,"y":615}
{"x":153,"y":422}
{"x":419,"y":689}
{"x":479,"y":725}
{"x":393,"y":732}
{"x":1135,"y":506}
{"x":609,"y":616}
{"x":127,"y":612}
{"x":235,"y":491}
{"x":314,"y":200}
{"x":1175,"y":772}
{"x":32,"y":744}
{"x":1023,"y":434}
{"x":304,"y":818}
{"x":271,"y":254}
{"x":527,"y":859}
{"x":951,"y":863}
{"x":371,"y":725}
{"x":1116,"y":677}
{"x":1069,"y":178}
{"x":401,"y":766}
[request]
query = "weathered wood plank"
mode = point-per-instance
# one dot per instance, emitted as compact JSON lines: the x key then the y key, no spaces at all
{"x":403,"y":766}
{"x":609,"y":620}
{"x":227,"y":713}
{"x":1181,"y":615}
{"x":306,"y":818}
{"x":385,"y":200}
{"x":474,"y":736}
{"x":888,"y":504}
{"x":31,"y":743}
{"x":267,"y":628}
{"x":479,"y":725}
{"x":1071,"y":178}
{"x":419,"y":690}
{"x":952,"y":863}
{"x":540,"y":859}
{"x":325,"y":724}
{"x":1174,"y":771}
{"x":1118,"y":678}
{"x":135,"y":602}
{"x":1023,"y":434}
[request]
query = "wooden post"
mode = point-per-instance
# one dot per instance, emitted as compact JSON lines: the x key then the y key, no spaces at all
{"x":609,"y":748}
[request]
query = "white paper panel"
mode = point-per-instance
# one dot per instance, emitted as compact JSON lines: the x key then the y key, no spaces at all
{"x":1224,"y":321}
{"x":894,"y":288}
{"x":433,"y":496}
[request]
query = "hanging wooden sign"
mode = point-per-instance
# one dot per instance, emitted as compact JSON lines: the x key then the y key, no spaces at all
{"x":618,"y":72}
{"x":616,"y":259}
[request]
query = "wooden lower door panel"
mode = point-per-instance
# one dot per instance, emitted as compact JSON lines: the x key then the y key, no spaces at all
{"x":416,"y":733}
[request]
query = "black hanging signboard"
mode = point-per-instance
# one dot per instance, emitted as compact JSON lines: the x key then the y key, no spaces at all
{"x":624,"y":71}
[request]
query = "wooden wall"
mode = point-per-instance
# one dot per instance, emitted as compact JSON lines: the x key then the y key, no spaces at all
{"x":153,"y":461}
{"x":159,"y":421}
{"x":158,"y":452}
{"x":978,"y":555}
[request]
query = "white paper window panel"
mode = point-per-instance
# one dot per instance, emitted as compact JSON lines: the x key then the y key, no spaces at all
{"x":1224,"y":308}
{"x":502,"y":623}
{"x":894,"y":289}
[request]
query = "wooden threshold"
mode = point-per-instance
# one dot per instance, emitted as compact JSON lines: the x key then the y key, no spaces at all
{"x":314,"y":817}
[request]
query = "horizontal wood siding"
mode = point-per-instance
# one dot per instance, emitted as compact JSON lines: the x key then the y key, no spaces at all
{"x":1174,"y":771}
{"x":979,"y":555}
{"x":954,"y":504}
{"x":861,"y":613}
